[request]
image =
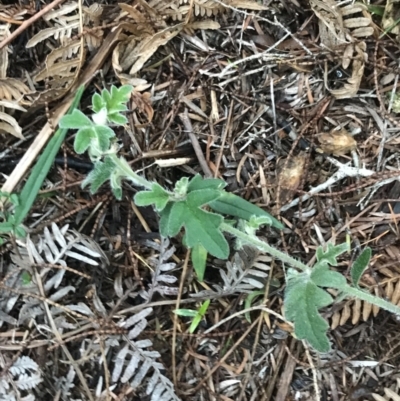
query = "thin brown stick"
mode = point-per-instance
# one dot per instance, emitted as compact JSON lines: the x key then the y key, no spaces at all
{"x":195,"y":143}
{"x":29,"y":22}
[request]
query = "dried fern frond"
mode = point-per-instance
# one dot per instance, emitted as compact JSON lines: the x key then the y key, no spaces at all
{"x":357,"y":310}
{"x":57,"y":245}
{"x":60,"y":71}
{"x":141,"y":49}
{"x":248,"y":271}
{"x":134,"y":361}
{"x":12,"y":89}
{"x":8,"y":123}
{"x":161,"y":267}
{"x":59,"y":32}
{"x":23,"y":376}
{"x":61,"y":62}
{"x":4,"y":34}
{"x":390,"y":393}
{"x":93,"y":14}
{"x":15,"y":12}
{"x":64,"y":25}
{"x":178,"y":9}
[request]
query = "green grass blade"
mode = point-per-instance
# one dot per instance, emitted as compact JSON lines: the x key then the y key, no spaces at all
{"x":42,"y":167}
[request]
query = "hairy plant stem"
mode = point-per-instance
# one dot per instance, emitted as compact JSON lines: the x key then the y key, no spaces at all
{"x":372,"y":299}
{"x":129,"y":173}
{"x":263,"y":246}
{"x":347,"y":290}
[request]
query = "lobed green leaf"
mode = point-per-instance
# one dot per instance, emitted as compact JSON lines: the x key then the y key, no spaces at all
{"x":199,"y":260}
{"x":83,"y":139}
{"x":99,"y":175}
{"x":114,"y":101}
{"x":98,"y":103}
{"x":236,"y":206}
{"x":116,"y":184}
{"x":359,"y":266}
{"x":303,"y":299}
{"x":158,"y":197}
{"x":322,"y":276}
{"x":201,"y":227}
{"x":198,"y":183}
{"x":75,"y":120}
{"x":6,"y":227}
{"x":103,"y":135}
{"x":332,"y":252}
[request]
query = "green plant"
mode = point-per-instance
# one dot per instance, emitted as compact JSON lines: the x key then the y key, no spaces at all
{"x":181,"y":207}
{"x":8,"y":224}
{"x":196,"y":315}
{"x":199,"y":207}
{"x":21,"y":203}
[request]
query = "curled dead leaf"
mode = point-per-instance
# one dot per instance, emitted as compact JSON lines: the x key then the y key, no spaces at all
{"x":337,"y":143}
{"x":352,"y":86}
{"x":135,"y":50}
{"x":290,"y":173}
{"x":8,"y":123}
{"x":142,"y":102}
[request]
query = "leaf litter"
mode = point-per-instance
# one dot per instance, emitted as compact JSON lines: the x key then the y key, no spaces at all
{"x":275,"y":102}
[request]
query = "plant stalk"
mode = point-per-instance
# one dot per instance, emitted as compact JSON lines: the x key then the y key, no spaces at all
{"x":129,"y":173}
{"x":263,"y":246}
{"x":372,"y":299}
{"x":347,"y":290}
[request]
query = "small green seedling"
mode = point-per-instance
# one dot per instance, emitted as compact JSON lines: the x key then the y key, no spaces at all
{"x":197,"y":315}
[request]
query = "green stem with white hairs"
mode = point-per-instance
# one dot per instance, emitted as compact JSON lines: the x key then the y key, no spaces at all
{"x":347,"y":290}
{"x":126,"y":170}
{"x":372,"y":299}
{"x":263,"y":246}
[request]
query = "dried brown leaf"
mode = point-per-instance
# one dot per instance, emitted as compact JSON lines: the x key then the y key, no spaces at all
{"x":357,"y":22}
{"x":396,"y":293}
{"x":335,"y":320}
{"x":352,"y":9}
{"x":4,"y":34}
{"x":345,"y":315}
{"x":357,"y":305}
{"x":347,"y":56}
{"x":367,"y":309}
{"x":12,"y":88}
{"x":134,"y":51}
{"x":337,"y":143}
{"x":389,"y":289}
{"x":9,"y":124}
{"x":205,"y":24}
{"x":92,"y":13}
{"x":290,"y":173}
{"x":247,"y":4}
